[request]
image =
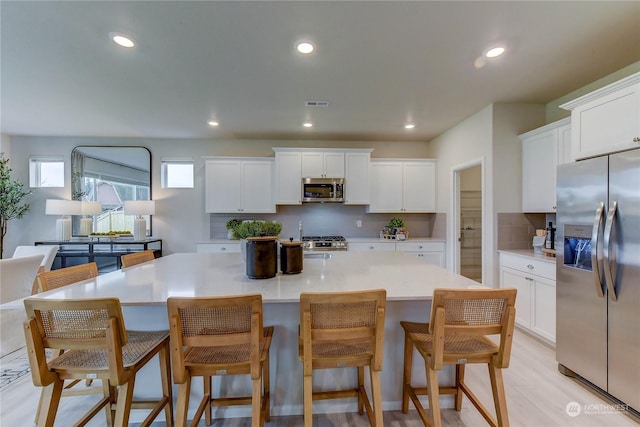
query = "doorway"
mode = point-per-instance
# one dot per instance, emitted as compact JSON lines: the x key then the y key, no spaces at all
{"x":469,"y":221}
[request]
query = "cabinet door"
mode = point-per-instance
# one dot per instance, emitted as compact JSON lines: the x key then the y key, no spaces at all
{"x":543,"y":321}
{"x":313,"y":165}
{"x":564,"y":144}
{"x":372,"y":246}
{"x":218,"y":247}
{"x":257,"y":187}
{"x":288,"y":178}
{"x":334,"y":165}
{"x":435,"y":258}
{"x":419,"y":187}
{"x":539,"y":160}
{"x":357,"y":178}
{"x":514,"y":279}
{"x":607,"y":124}
{"x":223,"y":186}
{"x":386,"y":187}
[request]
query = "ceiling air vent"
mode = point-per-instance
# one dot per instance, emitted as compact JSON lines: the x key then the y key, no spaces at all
{"x":316,"y":103}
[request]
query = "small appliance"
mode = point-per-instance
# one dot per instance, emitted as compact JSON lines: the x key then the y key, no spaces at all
{"x":322,"y":190}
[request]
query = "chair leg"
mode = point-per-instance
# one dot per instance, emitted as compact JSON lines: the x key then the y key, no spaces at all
{"x":459,"y":382}
{"x":256,"y":403}
{"x":109,"y":392}
{"x":360,"y":387}
{"x":308,"y":401}
{"x":406,"y":376}
{"x":266,"y":389}
{"x":434,"y":395}
{"x":376,"y":396}
{"x":206,"y":383}
{"x":123,"y":407}
{"x":182,"y":408}
{"x":165,"y":375}
{"x":50,"y":400}
{"x":499,"y":398}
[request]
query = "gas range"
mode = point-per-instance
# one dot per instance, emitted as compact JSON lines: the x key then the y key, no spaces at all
{"x":324,"y":243}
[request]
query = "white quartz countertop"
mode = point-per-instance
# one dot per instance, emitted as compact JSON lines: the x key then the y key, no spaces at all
{"x":205,"y":274}
{"x":529,"y":253}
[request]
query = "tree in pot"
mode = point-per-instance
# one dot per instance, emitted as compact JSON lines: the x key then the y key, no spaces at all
{"x":11,"y":195}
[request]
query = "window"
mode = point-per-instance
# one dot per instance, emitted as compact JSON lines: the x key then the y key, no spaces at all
{"x":177,"y":173}
{"x":46,"y":172}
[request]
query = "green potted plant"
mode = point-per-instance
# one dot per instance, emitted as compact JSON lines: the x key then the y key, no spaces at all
{"x":11,"y":195}
{"x":256,"y":228}
{"x":396,"y":223}
{"x":231,"y":224}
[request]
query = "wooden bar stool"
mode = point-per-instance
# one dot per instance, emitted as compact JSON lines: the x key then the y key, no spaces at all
{"x":96,"y":345}
{"x":54,"y":279}
{"x":135,"y":258}
{"x":220,"y":336}
{"x":341,"y":330}
{"x":457,"y":333}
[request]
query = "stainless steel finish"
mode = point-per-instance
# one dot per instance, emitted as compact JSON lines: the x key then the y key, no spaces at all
{"x":609,"y":256}
{"x":324,"y":243}
{"x":595,"y":261}
{"x":599,"y":338}
{"x":334,"y":190}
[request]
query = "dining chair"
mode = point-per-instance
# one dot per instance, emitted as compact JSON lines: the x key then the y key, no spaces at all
{"x":217,"y":337}
{"x":458,"y":334}
{"x":16,"y":281}
{"x":49,"y":255}
{"x":343,"y":330}
{"x":135,"y":258}
{"x":95,"y":344}
{"x":65,"y":276}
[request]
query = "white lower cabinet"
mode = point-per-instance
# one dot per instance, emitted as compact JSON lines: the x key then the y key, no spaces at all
{"x":213,"y":248}
{"x":372,"y":246}
{"x":430,"y":252}
{"x":536,"y":299}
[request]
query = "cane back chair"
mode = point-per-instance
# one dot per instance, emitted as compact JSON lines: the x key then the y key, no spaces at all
{"x":54,"y":279}
{"x":457,"y":334}
{"x":135,"y":258}
{"x":96,"y":345}
{"x":215,"y":337}
{"x":341,"y":330}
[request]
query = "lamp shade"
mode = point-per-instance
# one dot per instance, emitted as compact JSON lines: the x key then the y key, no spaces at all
{"x":91,"y":208}
{"x":139,"y":207}
{"x":63,"y":207}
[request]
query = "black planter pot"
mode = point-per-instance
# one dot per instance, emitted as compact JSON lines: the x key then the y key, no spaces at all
{"x":291,"y":257}
{"x":262,"y":257}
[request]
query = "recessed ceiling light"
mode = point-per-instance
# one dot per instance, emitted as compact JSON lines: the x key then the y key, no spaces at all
{"x":305,"y":47}
{"x":213,"y":123}
{"x":409,"y":126}
{"x":122,"y":40}
{"x":494,"y":52}
{"x":307,"y":124}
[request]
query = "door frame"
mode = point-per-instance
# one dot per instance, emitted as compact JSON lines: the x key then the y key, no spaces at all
{"x":454,"y":229}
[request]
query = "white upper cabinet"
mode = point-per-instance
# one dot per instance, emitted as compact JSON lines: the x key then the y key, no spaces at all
{"x":403,"y":186}
{"x":323,"y":164}
{"x":288,"y":178}
{"x":357,"y":177}
{"x":606,"y":120}
{"x":542,"y":151}
{"x":239,"y":185}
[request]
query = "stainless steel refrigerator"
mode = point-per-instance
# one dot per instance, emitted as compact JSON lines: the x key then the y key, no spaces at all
{"x":598,"y":273}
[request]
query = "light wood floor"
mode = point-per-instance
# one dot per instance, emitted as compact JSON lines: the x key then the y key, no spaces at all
{"x":537,"y":396}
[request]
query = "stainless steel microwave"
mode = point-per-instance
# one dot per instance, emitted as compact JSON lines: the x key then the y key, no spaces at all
{"x":319,"y":190}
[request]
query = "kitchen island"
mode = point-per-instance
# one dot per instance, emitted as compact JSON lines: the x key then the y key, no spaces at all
{"x":144,"y":289}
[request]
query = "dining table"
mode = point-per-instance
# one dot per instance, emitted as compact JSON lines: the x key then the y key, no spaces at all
{"x":143,"y":290}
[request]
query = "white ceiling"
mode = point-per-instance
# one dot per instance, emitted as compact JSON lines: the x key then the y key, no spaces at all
{"x":378,"y":64}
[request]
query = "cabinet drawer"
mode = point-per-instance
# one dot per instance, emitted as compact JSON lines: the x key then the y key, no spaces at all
{"x":218,"y":247}
{"x":372,"y":246}
{"x":529,"y":265}
{"x":420,"y":246}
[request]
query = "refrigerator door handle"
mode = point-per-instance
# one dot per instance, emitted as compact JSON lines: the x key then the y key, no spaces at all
{"x":595,"y":262}
{"x":609,"y":257}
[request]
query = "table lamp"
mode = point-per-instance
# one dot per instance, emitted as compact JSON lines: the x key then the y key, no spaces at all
{"x":139,"y":208}
{"x":88,"y":210}
{"x":64,"y":208}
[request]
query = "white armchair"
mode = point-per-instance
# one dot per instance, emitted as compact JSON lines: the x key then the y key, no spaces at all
{"x":48,"y":251}
{"x":16,"y":280}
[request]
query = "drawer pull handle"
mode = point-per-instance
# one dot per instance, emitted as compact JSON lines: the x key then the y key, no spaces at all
{"x":223,"y":249}
{"x":530,"y":267}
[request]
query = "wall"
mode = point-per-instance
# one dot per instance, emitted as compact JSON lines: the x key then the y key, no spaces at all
{"x":490,"y":137}
{"x":180,"y":218}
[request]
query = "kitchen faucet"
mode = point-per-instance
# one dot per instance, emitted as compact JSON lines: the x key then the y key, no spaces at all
{"x":300,"y":229}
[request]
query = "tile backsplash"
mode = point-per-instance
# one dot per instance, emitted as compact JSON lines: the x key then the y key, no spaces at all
{"x":516,"y":229}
